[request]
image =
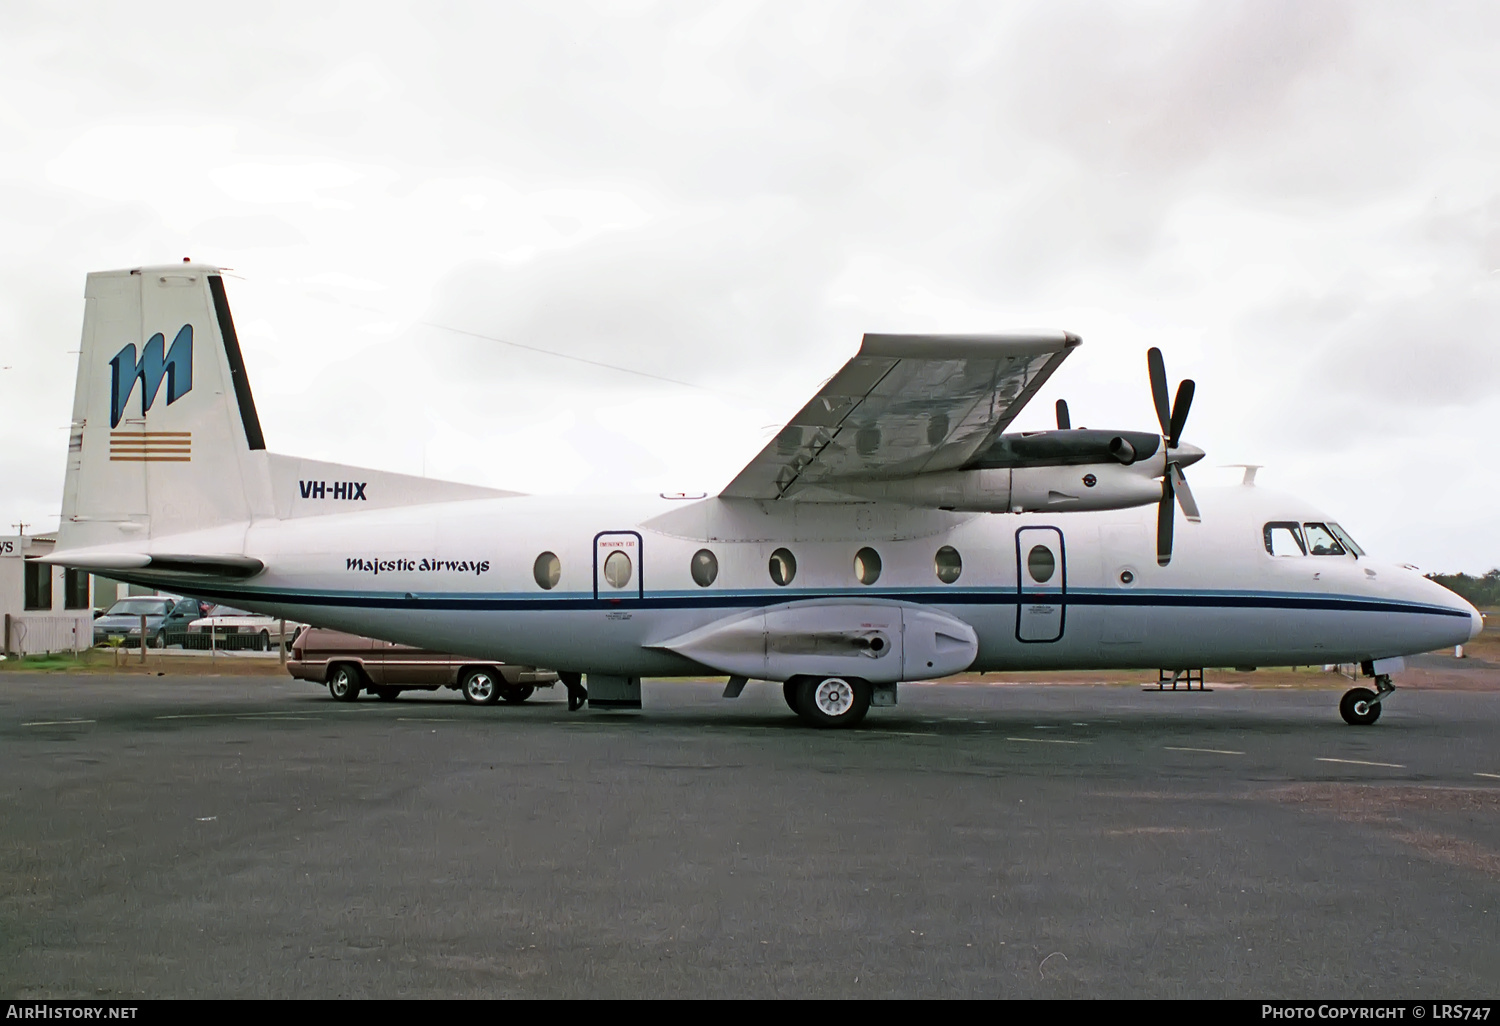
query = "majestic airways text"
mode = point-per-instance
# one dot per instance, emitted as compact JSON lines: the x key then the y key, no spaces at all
{"x":417,"y":566}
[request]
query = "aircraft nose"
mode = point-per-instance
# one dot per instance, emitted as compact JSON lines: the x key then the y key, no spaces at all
{"x":1476,"y":623}
{"x":1186,"y":455}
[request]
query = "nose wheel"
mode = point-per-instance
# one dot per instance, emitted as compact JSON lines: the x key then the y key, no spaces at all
{"x":1360,"y":707}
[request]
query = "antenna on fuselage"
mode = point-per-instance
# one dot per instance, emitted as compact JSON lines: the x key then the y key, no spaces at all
{"x":1250,"y":469}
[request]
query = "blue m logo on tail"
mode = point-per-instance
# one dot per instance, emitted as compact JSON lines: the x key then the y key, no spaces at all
{"x":177,"y":366}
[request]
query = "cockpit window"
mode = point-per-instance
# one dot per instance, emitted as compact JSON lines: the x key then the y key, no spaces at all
{"x":1321,"y":542}
{"x":1284,"y":538}
{"x":1343,"y":536}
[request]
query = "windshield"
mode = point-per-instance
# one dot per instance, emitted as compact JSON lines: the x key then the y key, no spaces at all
{"x":1284,"y":538}
{"x":228,"y":611}
{"x":139,"y":607}
{"x":1321,"y":542}
{"x":1343,"y":536}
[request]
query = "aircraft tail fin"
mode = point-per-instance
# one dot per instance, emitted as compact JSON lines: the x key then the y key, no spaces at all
{"x":165,"y":439}
{"x":164,"y":431}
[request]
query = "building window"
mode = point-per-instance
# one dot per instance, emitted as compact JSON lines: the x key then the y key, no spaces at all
{"x":75,"y":589}
{"x":38,"y":586}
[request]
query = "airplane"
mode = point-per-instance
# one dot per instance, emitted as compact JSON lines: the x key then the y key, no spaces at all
{"x":891,"y":532}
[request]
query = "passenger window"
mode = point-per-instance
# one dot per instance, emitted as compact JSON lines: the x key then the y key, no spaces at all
{"x":783,"y":567}
{"x":867,"y":566}
{"x":1284,"y":539}
{"x":617,"y":569}
{"x":948,"y":564}
{"x":1040,"y":564}
{"x":1321,"y":542}
{"x":705,"y":568}
{"x":547,"y":571}
{"x":1342,"y":535}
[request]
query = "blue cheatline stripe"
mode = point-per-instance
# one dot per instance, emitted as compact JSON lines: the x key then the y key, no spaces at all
{"x":512,"y":602}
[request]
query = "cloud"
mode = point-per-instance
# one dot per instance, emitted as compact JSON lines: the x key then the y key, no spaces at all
{"x":1295,"y":201}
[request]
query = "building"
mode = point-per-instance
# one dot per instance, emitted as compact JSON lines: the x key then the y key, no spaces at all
{"x":45,"y":608}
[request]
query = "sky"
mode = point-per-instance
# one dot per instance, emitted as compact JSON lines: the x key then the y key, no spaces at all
{"x":442,"y":218}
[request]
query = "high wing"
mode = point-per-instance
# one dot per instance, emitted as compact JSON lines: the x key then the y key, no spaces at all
{"x":905,"y":405}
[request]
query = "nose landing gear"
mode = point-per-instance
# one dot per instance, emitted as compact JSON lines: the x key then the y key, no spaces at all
{"x":1360,"y":707}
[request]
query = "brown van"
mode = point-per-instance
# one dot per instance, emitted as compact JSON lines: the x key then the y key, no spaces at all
{"x":349,"y":664}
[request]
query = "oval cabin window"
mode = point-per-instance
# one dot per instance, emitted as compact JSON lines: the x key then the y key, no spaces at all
{"x":948,"y":564}
{"x":617,"y":569}
{"x":867,"y":566}
{"x":783,"y":567}
{"x":1041,"y":564}
{"x":547,"y":571}
{"x":705,"y":568}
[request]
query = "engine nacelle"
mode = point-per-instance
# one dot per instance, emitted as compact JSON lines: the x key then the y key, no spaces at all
{"x":1019,"y":489}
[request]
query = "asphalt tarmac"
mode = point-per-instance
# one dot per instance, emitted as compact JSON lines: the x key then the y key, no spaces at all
{"x":248,"y":837}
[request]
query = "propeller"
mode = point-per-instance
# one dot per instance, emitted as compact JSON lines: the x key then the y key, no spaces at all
{"x":1174,"y":486}
{"x":1064,"y":423}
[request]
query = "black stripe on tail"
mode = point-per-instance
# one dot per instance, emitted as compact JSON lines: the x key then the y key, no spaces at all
{"x":237,"y":374}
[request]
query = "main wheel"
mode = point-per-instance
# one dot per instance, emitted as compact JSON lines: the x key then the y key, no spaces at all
{"x":479,"y":687}
{"x":344,"y":683}
{"x":1359,"y":708}
{"x":833,"y":701}
{"x":514,"y":694}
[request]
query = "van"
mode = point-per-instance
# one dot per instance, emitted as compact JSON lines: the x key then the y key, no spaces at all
{"x":350,"y":664}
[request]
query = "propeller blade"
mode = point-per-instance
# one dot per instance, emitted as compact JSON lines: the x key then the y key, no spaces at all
{"x":1184,"y":493}
{"x":1164,"y":514}
{"x":1158,"y":370}
{"x":1180,"y":407}
{"x":1063,"y":423}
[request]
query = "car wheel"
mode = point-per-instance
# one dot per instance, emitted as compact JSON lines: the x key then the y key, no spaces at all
{"x":344,"y":683}
{"x":515,"y":694}
{"x":479,"y":687}
{"x":263,"y":641}
{"x":158,"y":640}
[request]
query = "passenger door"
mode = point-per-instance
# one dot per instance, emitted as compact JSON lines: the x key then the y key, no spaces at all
{"x":617,"y":566}
{"x":1041,"y":584}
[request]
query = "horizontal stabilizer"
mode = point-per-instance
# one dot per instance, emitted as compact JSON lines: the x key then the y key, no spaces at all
{"x":238,"y":567}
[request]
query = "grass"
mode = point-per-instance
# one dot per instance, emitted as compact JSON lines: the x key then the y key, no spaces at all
{"x":128,"y":660}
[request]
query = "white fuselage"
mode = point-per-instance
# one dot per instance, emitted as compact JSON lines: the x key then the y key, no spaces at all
{"x":461,"y":577}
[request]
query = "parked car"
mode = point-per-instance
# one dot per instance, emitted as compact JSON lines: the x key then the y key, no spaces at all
{"x":350,"y":664}
{"x":227,"y":627}
{"x":167,"y":619}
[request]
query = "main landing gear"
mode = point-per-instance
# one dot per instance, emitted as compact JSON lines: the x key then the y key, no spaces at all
{"x":1360,"y":707}
{"x":828,"y":701}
